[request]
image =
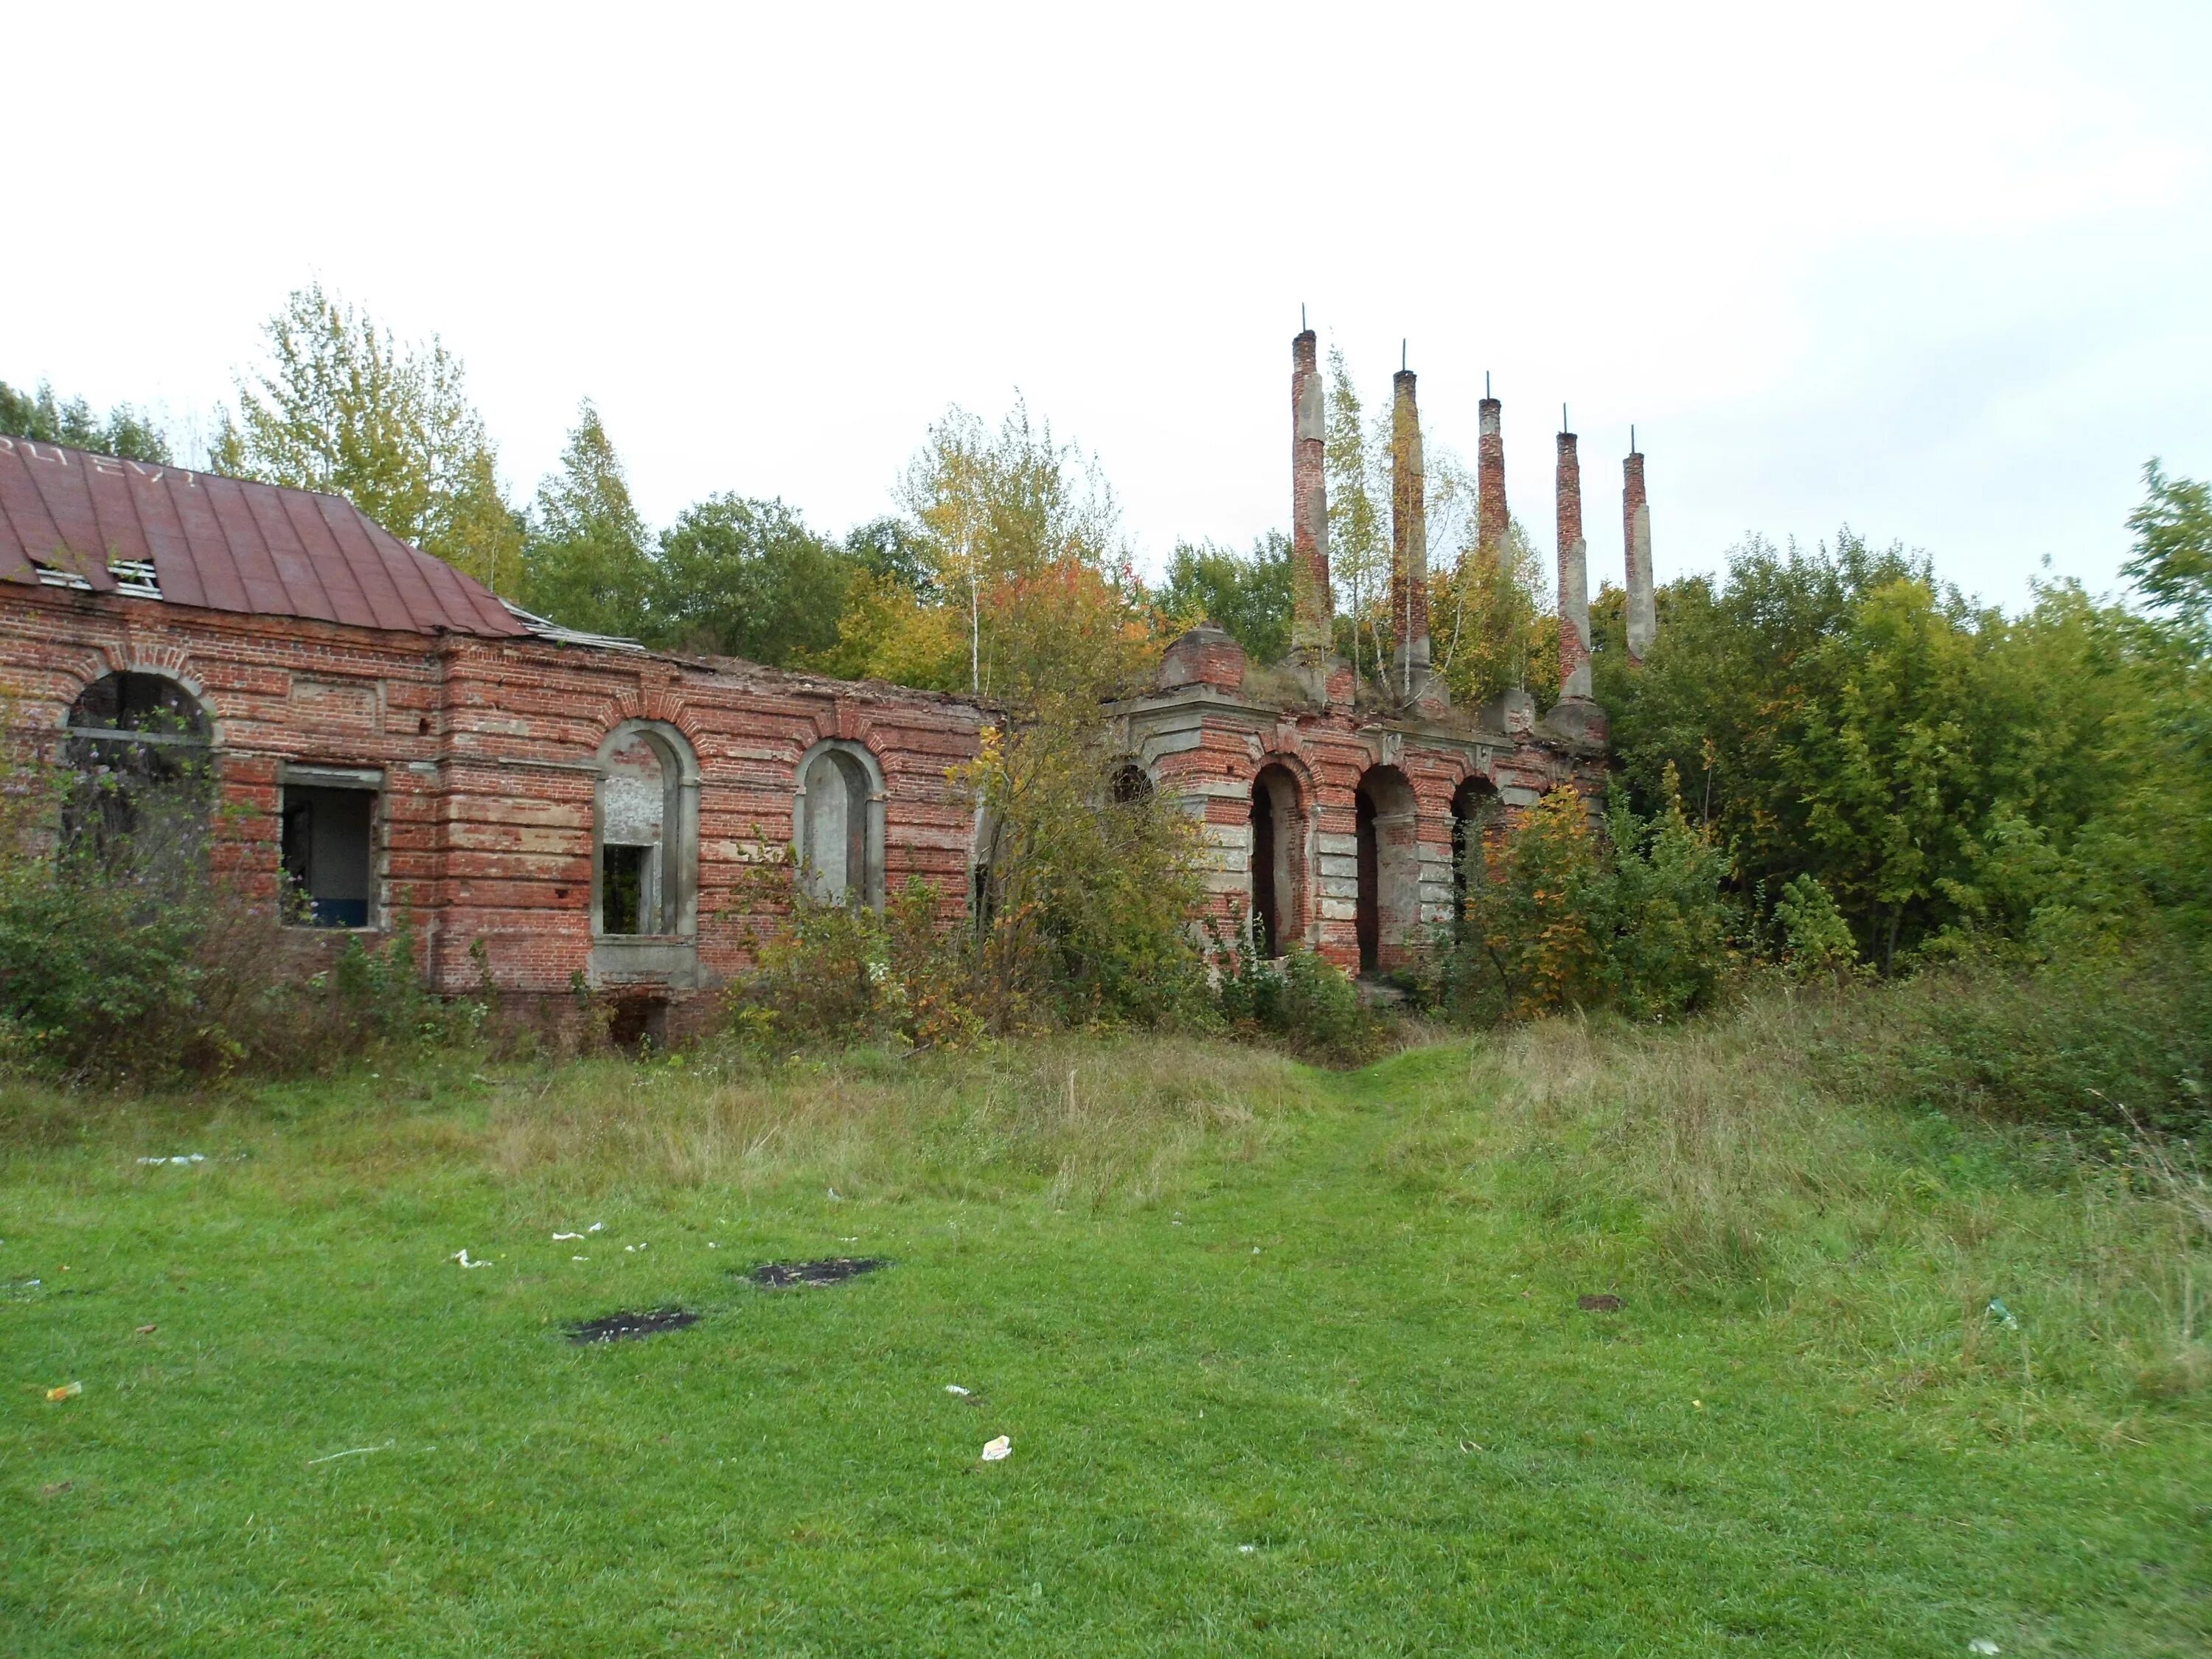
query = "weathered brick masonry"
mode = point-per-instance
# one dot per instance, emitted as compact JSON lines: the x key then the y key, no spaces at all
{"x":1333,"y":810}
{"x":486,"y":758}
{"x":556,"y":808}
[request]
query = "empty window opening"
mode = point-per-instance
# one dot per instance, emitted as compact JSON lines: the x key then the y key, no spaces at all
{"x":1278,"y":854}
{"x":840,"y":841}
{"x":142,"y":778}
{"x":637,"y":782}
{"x":1389,"y":867}
{"x":328,"y":851}
{"x":625,"y":880}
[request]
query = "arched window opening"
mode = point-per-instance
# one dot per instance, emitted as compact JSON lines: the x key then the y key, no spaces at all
{"x":1132,"y":784}
{"x":643,"y":869}
{"x":1388,"y":828}
{"x":1476,"y":813}
{"x":1279,"y":860}
{"x":142,"y":783}
{"x":838,"y":824}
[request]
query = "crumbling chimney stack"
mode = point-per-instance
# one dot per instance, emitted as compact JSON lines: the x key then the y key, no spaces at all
{"x":1311,"y":605}
{"x":1409,"y":540}
{"x":1574,"y":573}
{"x":1491,"y":520}
{"x":1636,"y":537}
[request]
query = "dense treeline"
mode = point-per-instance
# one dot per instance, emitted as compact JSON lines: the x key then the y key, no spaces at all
{"x":1940,"y":768}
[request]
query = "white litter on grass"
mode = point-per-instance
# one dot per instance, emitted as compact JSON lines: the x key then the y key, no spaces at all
{"x":186,"y":1157}
{"x":561,"y":1238}
{"x":1248,"y":1549}
{"x":712,"y":1245}
{"x":954,"y":1388}
{"x":597,"y":1227}
{"x":462,"y":1256}
{"x":351,"y":1451}
{"x":1983,"y":1645}
{"x":854,"y":1239}
{"x":579,"y":1258}
{"x":836,"y":1197}
{"x":632,"y":1249}
{"x":995,"y":1450}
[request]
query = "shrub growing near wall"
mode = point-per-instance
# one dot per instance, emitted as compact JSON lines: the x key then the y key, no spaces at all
{"x":1558,"y":918}
{"x":122,"y":960}
{"x":1305,"y":1003}
{"x":1079,"y":915}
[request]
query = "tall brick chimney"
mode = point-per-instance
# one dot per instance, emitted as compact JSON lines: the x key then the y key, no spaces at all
{"x":1490,"y":465}
{"x":1311,"y":605}
{"x":1409,"y":539}
{"x":1636,"y":537}
{"x":1574,"y":573}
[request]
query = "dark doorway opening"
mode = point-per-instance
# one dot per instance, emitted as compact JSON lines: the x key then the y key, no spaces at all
{"x":1369,"y":913}
{"x":1474,"y":814}
{"x":1267,"y":913}
{"x":1387,"y":819}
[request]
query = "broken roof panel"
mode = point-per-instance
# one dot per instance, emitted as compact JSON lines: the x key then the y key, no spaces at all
{"x":227,"y":545}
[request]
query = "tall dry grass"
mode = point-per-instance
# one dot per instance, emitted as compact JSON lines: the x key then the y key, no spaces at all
{"x":1921,"y":1248}
{"x":1080,"y":1122}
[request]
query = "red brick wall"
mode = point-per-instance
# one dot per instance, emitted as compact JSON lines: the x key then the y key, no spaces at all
{"x":487,"y":749}
{"x":1209,"y":754}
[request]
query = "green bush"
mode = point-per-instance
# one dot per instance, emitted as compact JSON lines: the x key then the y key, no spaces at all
{"x":1556,"y":918}
{"x":841,"y":975}
{"x":1816,"y":938}
{"x":123,"y":960}
{"x":1303,"y":1003}
{"x":2097,"y":1045}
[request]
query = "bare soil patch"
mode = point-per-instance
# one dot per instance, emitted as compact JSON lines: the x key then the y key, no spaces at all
{"x":831,"y":1270}
{"x":623,"y":1326}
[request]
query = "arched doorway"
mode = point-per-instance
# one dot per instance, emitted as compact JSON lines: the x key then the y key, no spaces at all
{"x":1279,"y":860}
{"x":1387,"y":821}
{"x":1476,"y":812}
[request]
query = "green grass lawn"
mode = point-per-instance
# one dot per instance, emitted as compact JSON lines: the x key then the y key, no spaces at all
{"x":1290,"y":1362}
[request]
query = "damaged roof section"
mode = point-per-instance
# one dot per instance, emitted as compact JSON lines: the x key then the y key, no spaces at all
{"x":224,"y":544}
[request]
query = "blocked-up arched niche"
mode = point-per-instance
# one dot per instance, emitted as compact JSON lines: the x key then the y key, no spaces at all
{"x":837,"y":823}
{"x":1279,"y":860}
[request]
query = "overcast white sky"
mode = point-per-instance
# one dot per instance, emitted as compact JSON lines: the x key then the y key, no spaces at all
{"x":1940,"y":269}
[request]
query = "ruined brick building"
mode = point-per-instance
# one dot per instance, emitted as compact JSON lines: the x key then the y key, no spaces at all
{"x":387,"y":737}
{"x":1336,"y":808}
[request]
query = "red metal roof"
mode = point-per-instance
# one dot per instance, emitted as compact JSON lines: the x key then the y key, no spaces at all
{"x":227,"y":545}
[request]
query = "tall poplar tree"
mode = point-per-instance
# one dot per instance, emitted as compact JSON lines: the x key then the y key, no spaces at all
{"x":586,"y":564}
{"x":341,"y":405}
